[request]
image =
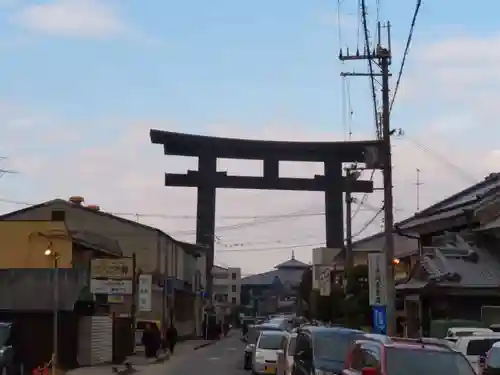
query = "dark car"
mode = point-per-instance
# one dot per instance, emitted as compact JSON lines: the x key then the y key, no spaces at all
{"x":252,"y":337}
{"x":322,"y":349}
{"x":382,"y":355}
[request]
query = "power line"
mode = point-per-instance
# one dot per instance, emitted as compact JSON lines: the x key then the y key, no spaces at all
{"x":271,"y":248}
{"x":300,"y":213}
{"x":368,"y":223}
{"x":256,"y":220}
{"x":406,"y":51}
{"x":363,"y":198}
{"x":370,"y":67}
{"x":460,"y":171}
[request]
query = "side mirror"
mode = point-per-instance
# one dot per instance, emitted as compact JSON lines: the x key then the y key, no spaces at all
{"x":280,"y":352}
{"x":482,"y":360}
{"x":369,"y":371}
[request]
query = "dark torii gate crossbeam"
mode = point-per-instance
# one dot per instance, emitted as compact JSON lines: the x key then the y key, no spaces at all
{"x":207,"y":179}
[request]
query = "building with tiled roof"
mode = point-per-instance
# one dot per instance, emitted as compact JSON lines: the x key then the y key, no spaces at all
{"x":270,"y":288}
{"x":288,"y":273}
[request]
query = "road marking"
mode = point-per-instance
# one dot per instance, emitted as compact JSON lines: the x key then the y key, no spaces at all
{"x":214,"y":358}
{"x":231,"y":349}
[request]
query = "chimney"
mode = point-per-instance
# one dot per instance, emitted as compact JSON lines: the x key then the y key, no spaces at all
{"x":77,"y":200}
{"x":93,"y":207}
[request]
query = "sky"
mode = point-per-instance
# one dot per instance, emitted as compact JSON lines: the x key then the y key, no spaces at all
{"x":83,"y":81}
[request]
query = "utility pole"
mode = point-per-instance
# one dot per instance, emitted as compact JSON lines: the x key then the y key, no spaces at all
{"x":418,"y":184}
{"x":382,"y":57}
{"x":351,"y":175}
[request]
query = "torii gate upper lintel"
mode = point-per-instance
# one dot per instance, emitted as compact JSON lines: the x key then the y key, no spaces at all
{"x":207,"y":179}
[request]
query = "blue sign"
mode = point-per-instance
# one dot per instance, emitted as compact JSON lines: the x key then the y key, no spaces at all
{"x":379,"y":319}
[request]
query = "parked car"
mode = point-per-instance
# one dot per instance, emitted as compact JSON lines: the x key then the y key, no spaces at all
{"x":321,"y":350}
{"x":476,"y":346}
{"x":251,"y":340}
{"x":454,"y":333}
{"x":490,"y":364}
{"x":382,"y":355}
{"x":267,"y":349}
{"x":289,"y":352}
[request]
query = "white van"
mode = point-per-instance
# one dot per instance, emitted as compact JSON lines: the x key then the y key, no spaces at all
{"x":476,"y":346}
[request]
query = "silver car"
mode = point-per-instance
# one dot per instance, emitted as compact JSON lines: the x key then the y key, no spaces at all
{"x":267,"y":349}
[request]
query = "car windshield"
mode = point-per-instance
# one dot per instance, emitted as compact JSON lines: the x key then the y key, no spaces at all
{"x":271,"y":342}
{"x":332,"y":345}
{"x":480,"y":346}
{"x":4,"y":334}
{"x":493,"y":359}
{"x":254,"y":333}
{"x":404,"y":361}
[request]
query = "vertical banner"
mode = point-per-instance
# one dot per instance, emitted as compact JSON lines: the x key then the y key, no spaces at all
{"x":377,"y":279}
{"x":145,"y":292}
{"x":325,"y":282}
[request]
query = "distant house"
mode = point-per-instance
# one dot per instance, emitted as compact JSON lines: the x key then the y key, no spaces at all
{"x":281,"y":282}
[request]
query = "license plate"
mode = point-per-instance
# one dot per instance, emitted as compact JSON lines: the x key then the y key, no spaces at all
{"x":270,"y":370}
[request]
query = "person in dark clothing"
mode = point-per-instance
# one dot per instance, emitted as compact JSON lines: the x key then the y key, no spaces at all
{"x":171,"y":337}
{"x":151,"y":341}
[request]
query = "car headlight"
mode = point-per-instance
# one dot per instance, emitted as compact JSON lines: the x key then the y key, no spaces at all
{"x":259,"y":357}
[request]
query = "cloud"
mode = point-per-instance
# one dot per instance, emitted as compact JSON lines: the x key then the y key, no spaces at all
{"x":73,"y":18}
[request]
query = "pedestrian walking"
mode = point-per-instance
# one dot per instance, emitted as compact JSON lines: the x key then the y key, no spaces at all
{"x":172,"y":337}
{"x":151,"y":340}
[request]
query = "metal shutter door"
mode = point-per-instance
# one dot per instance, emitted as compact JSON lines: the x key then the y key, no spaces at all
{"x":101,"y":340}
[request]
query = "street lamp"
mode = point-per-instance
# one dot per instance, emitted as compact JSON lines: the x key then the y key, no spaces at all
{"x":55,"y":257}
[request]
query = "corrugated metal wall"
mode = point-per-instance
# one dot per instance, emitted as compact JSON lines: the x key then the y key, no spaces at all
{"x":33,"y":289}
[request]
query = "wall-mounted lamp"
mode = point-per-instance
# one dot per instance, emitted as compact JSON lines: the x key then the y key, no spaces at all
{"x":396,"y":261}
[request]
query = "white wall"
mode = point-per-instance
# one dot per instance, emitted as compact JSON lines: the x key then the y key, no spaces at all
{"x":225,"y":284}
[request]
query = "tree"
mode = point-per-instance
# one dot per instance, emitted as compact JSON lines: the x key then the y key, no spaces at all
{"x":357,"y":304}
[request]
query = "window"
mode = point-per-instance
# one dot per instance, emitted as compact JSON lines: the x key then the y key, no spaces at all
{"x":430,"y":362}
{"x":480,"y":347}
{"x":233,"y":276}
{"x":233,"y":288}
{"x":58,"y":215}
{"x":271,"y":342}
{"x":233,"y":300}
{"x":356,"y":358}
{"x":332,"y":345}
{"x":303,"y":345}
{"x":370,"y":355}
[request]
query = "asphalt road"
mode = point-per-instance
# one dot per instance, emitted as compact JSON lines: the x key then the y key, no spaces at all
{"x":222,"y":358}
